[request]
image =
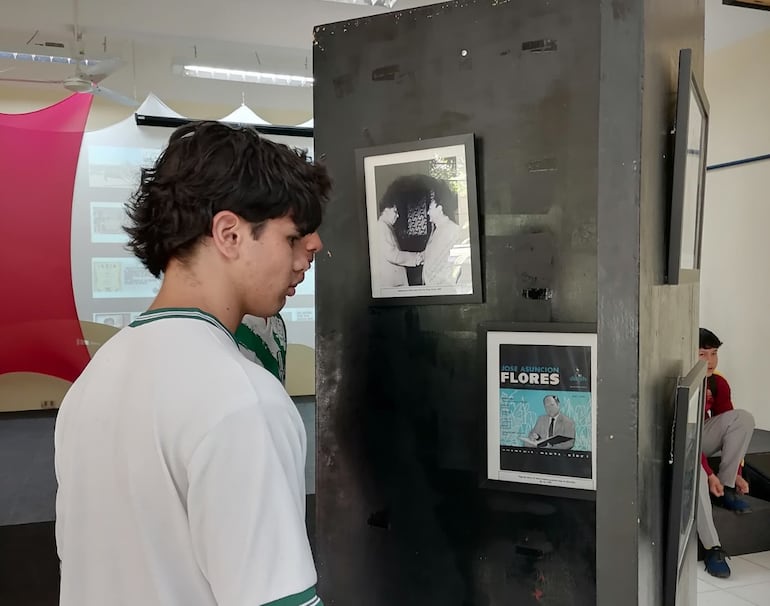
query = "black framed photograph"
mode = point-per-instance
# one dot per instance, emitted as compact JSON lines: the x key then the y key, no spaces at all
{"x":689,"y":175}
{"x":422,"y":221}
{"x":540,"y":382}
{"x":685,"y":465}
{"x":762,"y":5}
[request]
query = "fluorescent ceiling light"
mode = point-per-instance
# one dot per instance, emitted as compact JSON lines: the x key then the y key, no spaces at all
{"x":44,"y":58}
{"x":244,"y":75}
{"x":385,"y":3}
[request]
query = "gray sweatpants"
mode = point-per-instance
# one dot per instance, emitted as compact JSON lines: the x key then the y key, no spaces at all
{"x":731,"y":433}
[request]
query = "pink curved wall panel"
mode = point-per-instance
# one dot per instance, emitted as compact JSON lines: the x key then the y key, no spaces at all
{"x":39,"y":327}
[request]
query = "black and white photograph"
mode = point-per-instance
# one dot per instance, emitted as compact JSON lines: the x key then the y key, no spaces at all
{"x":541,"y":407}
{"x":422,"y":221}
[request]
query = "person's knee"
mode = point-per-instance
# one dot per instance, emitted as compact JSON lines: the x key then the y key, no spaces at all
{"x":746,"y":419}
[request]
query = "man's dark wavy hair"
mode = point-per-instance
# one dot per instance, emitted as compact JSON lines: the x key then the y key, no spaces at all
{"x":209,"y":167}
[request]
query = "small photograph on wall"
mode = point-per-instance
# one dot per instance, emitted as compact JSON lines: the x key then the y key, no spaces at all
{"x":116,"y":319}
{"x":422,"y":221}
{"x":118,"y":167}
{"x":541,"y":407}
{"x":107,"y":219}
{"x":121,"y":277}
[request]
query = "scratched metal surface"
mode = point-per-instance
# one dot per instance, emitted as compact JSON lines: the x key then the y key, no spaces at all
{"x":400,"y":517}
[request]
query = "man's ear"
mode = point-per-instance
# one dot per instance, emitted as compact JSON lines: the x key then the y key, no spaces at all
{"x":227,"y":232}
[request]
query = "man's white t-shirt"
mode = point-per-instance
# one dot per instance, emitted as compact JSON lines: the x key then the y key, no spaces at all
{"x":181,"y":474}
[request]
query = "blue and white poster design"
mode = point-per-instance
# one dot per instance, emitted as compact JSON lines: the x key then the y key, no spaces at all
{"x":541,"y":408}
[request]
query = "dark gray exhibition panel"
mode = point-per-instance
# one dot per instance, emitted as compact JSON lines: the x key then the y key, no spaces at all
{"x":552,"y":92}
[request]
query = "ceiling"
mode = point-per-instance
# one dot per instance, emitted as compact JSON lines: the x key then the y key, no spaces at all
{"x":149,"y":35}
{"x":264,"y":35}
{"x":287,"y":23}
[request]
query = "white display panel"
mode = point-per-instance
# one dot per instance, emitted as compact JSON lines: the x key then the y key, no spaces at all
{"x":110,"y":286}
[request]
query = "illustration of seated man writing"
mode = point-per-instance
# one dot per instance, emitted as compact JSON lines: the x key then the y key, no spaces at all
{"x":553,"y":429}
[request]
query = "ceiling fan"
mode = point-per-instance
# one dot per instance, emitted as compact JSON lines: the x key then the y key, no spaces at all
{"x":86,"y":79}
{"x":88,"y":72}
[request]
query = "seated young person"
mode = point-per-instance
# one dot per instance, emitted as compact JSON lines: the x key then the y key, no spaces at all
{"x":728,"y":431}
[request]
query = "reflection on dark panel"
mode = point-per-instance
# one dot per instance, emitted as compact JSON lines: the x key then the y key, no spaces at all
{"x":400,"y":517}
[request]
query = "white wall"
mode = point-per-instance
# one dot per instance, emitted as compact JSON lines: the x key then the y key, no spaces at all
{"x":735,"y":278}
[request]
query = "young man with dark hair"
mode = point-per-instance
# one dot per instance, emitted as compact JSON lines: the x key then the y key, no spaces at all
{"x":180,"y":462}
{"x":727,"y":430}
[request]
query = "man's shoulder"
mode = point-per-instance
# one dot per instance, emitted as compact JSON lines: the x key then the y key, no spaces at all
{"x":720,"y":380}
{"x":259,"y":379}
{"x":248,"y":392}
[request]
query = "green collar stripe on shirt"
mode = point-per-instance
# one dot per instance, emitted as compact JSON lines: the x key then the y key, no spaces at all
{"x":304,"y":598}
{"x":190,"y":313}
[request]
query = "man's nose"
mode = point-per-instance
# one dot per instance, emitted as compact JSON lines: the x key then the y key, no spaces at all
{"x":314,"y":244}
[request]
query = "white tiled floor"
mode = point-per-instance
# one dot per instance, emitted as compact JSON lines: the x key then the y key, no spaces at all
{"x":748,"y":585}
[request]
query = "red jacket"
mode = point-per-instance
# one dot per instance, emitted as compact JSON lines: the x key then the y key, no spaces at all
{"x":716,"y":404}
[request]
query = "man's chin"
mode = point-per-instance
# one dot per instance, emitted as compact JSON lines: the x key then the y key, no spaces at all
{"x":279,"y":305}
